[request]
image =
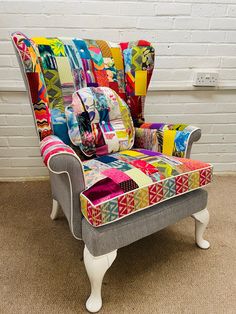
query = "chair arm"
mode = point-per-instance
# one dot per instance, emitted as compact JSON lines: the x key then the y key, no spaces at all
{"x":67,"y":179}
{"x":169,"y":139}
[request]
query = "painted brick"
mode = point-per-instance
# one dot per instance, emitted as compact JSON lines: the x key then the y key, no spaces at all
{"x":231,"y":36}
{"x":191,"y":23}
{"x":173,"y":9}
{"x":155,"y":23}
{"x":209,"y":36}
{"x":140,"y":9}
{"x":232,"y":10}
{"x":223,"y":23}
{"x":228,"y":62}
{"x":214,"y":10}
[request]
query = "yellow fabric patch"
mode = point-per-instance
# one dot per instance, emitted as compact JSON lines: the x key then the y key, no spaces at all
{"x":141,"y":198}
{"x":83,"y":202}
{"x":180,"y":127}
{"x":168,"y":142}
{"x":139,"y":177}
{"x":41,"y":41}
{"x":140,"y":83}
{"x":116,"y":54}
{"x":121,"y":134}
{"x":193,"y":180}
{"x":64,"y":70}
{"x":131,"y":153}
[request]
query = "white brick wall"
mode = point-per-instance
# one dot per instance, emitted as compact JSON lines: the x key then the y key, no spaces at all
{"x":187,"y":35}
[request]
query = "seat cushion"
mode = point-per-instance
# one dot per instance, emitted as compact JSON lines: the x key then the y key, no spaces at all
{"x":123,"y":183}
{"x":99,"y":121}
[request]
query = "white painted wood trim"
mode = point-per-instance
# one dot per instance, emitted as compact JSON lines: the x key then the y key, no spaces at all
{"x":201,"y":222}
{"x":55,"y":210}
{"x":96,"y":268}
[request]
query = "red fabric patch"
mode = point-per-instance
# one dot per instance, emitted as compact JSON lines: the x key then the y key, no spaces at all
{"x":33,"y":80}
{"x":114,"y":86}
{"x":144,"y":43}
{"x":144,"y":166}
{"x":124,"y":45}
{"x":153,"y":197}
{"x":122,"y":205}
{"x":102,"y":79}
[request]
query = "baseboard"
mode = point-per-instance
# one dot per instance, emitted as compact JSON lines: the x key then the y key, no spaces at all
{"x":24,"y":179}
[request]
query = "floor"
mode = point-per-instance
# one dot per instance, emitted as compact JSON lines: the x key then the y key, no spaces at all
{"x":42,"y":271}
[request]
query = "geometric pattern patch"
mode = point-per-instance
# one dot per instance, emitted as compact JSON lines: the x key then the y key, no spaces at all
{"x":110,"y":198}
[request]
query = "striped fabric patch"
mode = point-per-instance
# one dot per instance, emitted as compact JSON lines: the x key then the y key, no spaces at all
{"x":52,"y":145}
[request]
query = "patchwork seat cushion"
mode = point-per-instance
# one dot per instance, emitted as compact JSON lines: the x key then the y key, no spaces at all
{"x":125,"y":182}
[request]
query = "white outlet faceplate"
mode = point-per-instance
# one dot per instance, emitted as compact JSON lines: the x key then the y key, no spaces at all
{"x":205,"y":79}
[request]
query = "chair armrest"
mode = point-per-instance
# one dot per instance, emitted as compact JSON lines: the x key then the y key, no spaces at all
{"x":67,"y":179}
{"x":169,"y":139}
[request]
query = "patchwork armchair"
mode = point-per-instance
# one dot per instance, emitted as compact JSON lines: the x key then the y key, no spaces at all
{"x":116,"y":178}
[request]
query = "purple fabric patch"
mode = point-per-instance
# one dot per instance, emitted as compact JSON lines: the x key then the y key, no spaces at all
{"x":102,"y":191}
{"x":156,"y":125}
{"x":149,"y":152}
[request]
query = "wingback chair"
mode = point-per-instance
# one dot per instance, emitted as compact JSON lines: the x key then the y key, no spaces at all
{"x":116,"y":178}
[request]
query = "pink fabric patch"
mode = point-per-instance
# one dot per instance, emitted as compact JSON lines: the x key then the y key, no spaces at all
{"x":55,"y":151}
{"x":47,"y":145}
{"x":102,"y":191}
{"x":116,"y":175}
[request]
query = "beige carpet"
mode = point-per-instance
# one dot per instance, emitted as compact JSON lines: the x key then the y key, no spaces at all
{"x":41,"y":267}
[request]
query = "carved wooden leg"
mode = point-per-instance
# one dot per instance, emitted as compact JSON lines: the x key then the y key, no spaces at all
{"x":201,"y":222}
{"x":96,"y":268}
{"x":55,"y":210}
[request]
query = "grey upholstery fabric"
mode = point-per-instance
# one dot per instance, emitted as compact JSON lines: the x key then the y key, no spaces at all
{"x":68,"y":169}
{"x":113,"y":236}
{"x":194,"y":137}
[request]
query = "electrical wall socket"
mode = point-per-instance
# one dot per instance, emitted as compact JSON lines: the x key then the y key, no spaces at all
{"x":205,"y":79}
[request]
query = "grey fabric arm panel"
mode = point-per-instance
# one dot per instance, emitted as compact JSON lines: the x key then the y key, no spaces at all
{"x":67,"y":182}
{"x":194,"y":137}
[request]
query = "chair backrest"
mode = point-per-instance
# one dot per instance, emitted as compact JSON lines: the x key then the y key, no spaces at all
{"x":53,"y":68}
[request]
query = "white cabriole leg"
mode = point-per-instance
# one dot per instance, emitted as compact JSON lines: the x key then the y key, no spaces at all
{"x":201,"y":222}
{"x":55,"y":210}
{"x":96,"y":268}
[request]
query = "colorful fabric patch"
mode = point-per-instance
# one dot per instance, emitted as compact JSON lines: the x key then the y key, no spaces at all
{"x":127,"y":186}
{"x":39,"y":99}
{"x":139,"y":64}
{"x":52,"y":145}
{"x":169,"y":139}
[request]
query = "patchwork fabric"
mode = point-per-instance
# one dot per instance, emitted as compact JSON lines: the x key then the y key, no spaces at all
{"x":52,"y":145}
{"x":169,"y":139}
{"x":30,"y":59}
{"x":57,"y":67}
{"x":99,"y":121}
{"x":139,"y":63}
{"x":126,"y":182}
